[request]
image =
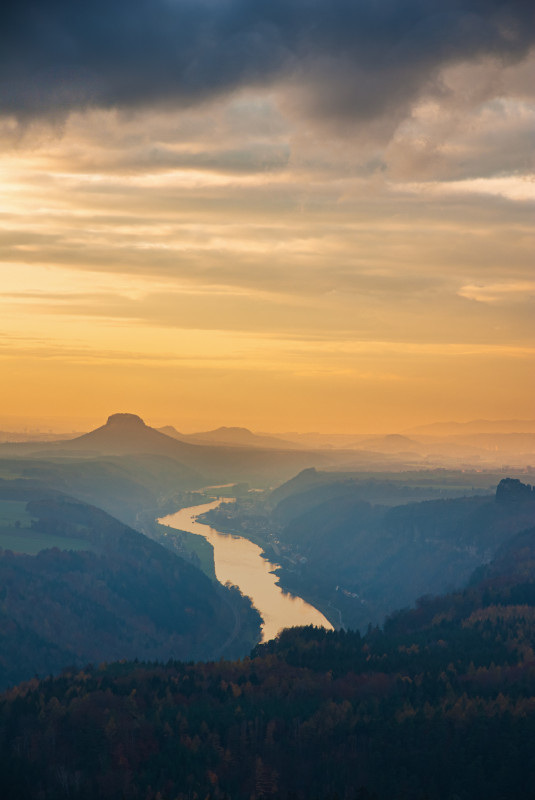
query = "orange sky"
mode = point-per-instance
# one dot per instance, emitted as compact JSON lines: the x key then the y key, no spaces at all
{"x":243,"y":262}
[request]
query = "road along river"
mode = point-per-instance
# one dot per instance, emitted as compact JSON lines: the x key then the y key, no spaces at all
{"x":239,"y":561}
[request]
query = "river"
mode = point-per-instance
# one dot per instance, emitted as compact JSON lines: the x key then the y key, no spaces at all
{"x":240,"y":561}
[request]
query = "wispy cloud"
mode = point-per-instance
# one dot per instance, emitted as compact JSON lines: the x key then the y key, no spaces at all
{"x":520,"y":291}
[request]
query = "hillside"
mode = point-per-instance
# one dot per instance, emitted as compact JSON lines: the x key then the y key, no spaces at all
{"x":438,"y":705}
{"x":123,"y":486}
{"x":358,"y":560}
{"x":311,"y":487}
{"x":102,"y":592}
{"x":370,"y":559}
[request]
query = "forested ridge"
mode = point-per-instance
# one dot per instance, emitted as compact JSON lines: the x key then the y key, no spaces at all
{"x":359,"y":561}
{"x":440,"y":704}
{"x":117,"y":595}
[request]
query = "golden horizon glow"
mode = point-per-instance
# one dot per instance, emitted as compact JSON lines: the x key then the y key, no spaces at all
{"x":229,"y":265}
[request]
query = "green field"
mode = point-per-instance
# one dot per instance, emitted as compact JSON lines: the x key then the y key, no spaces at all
{"x":205,"y":551}
{"x":188,"y":541}
{"x":16,"y":533}
{"x":24,"y":540}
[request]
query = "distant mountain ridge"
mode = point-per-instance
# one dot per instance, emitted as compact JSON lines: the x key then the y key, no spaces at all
{"x":479,"y":443}
{"x":391,"y":443}
{"x":126,"y":434}
{"x":474,"y":426}
{"x":233,"y":435}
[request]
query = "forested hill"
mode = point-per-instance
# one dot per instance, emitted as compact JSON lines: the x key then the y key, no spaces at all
{"x":123,"y":486}
{"x":440,"y":705}
{"x":77,"y":586}
{"x":361,"y":561}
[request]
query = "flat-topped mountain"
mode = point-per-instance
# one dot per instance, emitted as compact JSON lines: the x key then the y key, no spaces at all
{"x":127,"y":434}
{"x":125,"y":419}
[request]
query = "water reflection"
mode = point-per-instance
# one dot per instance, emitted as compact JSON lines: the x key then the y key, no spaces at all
{"x":239,"y":561}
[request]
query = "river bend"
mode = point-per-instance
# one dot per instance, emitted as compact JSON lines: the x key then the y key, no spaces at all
{"x":240,"y":561}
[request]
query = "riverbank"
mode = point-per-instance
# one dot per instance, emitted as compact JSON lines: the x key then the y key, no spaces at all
{"x":242,"y":562}
{"x":288,"y":579}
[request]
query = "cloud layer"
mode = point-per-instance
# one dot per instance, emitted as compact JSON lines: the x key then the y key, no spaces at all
{"x":350,"y":58}
{"x":272,"y":209}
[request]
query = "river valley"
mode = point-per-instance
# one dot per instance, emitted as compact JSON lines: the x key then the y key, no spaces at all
{"x":239,"y":561}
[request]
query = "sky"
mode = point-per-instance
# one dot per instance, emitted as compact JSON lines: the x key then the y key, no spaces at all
{"x":284,"y":214}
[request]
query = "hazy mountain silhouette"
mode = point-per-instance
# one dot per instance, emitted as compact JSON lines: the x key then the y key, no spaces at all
{"x":391,"y":443}
{"x":127,"y":434}
{"x":241,"y":437}
{"x":475,"y":426}
{"x":500,"y":442}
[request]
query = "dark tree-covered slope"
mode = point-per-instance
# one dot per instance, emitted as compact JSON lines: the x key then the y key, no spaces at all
{"x":358,"y":560}
{"x":119,"y":595}
{"x":123,"y":486}
{"x":384,"y":558}
{"x":312,"y":487}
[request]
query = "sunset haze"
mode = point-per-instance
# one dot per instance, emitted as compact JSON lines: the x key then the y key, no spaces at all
{"x":287,"y":215}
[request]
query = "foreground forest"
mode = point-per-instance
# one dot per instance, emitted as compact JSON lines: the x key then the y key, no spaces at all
{"x":440,"y":704}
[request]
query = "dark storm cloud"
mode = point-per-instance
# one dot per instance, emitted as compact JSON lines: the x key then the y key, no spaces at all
{"x":354,"y":57}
